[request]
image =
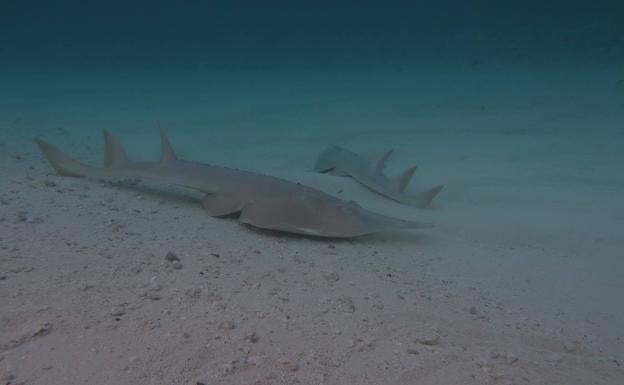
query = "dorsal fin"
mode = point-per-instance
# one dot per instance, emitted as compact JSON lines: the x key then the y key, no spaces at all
{"x":380,"y":165}
{"x":114,"y":154}
{"x":405,"y":178}
{"x":166,"y":154}
{"x":430,"y":194}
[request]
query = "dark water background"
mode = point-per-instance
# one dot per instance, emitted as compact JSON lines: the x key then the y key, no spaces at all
{"x":192,"y":34}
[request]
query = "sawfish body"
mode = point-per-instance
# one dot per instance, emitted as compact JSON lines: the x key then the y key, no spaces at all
{"x":261,"y":201}
{"x":342,"y":162}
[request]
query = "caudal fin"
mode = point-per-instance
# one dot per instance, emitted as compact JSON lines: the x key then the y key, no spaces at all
{"x":61,"y":162}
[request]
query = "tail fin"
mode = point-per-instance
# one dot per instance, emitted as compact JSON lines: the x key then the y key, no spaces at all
{"x":61,"y":162}
{"x":114,"y":154}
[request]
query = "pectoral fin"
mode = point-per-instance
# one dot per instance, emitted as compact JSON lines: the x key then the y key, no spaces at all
{"x":218,"y":205}
{"x":292,"y":218}
{"x":269,"y":215}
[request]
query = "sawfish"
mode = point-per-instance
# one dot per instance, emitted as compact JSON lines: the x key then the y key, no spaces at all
{"x":342,"y":162}
{"x":258,"y":200}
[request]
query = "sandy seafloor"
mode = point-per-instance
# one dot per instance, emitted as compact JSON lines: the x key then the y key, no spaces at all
{"x":520,"y":282}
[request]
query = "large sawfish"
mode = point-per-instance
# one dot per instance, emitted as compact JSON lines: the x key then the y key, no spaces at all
{"x":261,"y":201}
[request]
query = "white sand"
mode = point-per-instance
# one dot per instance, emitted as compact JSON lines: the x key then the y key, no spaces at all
{"x":519,"y":283}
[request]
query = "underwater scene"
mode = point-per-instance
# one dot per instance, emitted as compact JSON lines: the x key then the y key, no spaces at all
{"x":311,"y":192}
